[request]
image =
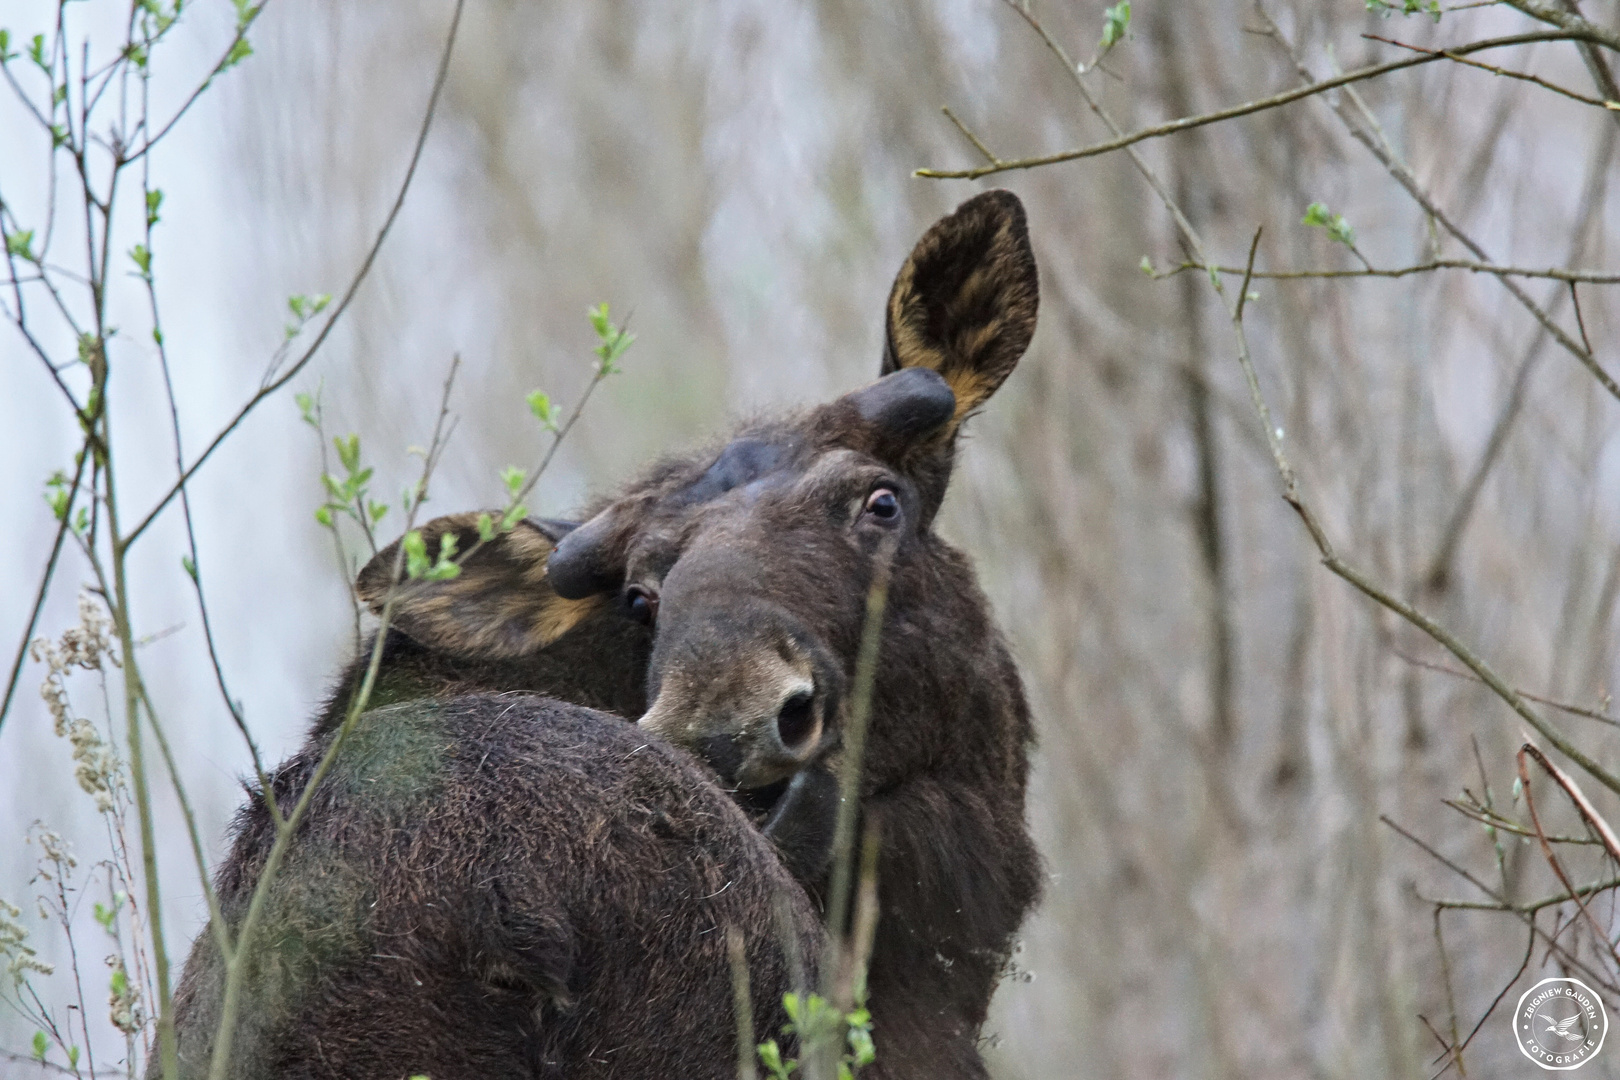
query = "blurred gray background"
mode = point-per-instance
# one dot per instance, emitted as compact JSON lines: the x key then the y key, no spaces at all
{"x":735,"y":177}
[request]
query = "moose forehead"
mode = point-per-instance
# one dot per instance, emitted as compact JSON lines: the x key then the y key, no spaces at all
{"x":743,"y":462}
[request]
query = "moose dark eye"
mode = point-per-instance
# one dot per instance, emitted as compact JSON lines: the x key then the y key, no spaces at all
{"x":883,"y":504}
{"x":642,"y":603}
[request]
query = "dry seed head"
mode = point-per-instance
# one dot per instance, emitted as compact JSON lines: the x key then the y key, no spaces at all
{"x":84,"y":646}
{"x":19,"y":957}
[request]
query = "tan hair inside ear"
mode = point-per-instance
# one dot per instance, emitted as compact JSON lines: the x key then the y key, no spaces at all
{"x":964,"y":303}
{"x":499,"y":607}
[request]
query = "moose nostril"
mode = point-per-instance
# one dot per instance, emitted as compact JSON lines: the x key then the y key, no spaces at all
{"x":796,"y":721}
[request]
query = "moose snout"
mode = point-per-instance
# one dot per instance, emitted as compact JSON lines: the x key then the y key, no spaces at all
{"x":753,"y":737}
{"x":753,"y":696}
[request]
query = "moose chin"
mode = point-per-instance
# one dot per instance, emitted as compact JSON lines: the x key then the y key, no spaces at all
{"x":502,"y":877}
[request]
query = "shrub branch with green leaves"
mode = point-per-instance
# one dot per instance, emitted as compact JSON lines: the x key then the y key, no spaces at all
{"x":99,"y":140}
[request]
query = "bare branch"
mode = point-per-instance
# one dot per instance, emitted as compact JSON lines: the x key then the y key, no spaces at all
{"x":62,"y":528}
{"x":1564,"y":19}
{"x":1375,"y":141}
{"x":1584,"y":277}
{"x":343,"y":305}
{"x":1122,"y":140}
{"x":1561,"y":706}
{"x":1504,"y":72}
{"x":1527,"y":750}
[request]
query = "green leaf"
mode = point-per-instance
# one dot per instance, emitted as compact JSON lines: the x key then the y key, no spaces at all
{"x":615,"y":340}
{"x":59,"y":136}
{"x":416,"y":560}
{"x":40,"y":1044}
{"x":59,"y":95}
{"x":306,"y":408}
{"x":348,"y":452}
{"x":445,"y":568}
{"x":513,"y":478}
{"x":36,"y":52}
{"x":189,"y":566}
{"x":1147,"y":266}
{"x":119,"y":984}
{"x":239,"y":52}
{"x":540,"y":404}
{"x":486,"y":528}
{"x":154,"y":200}
{"x":770,"y":1055}
{"x":324,"y":516}
{"x":5,"y":46}
{"x":73,"y":1057}
{"x":599,"y":318}
{"x":1318,"y":215}
{"x":143,"y":259}
{"x":1387,"y":8}
{"x":1116,"y":21}
{"x":21,"y":244}
{"x":105,"y":915}
{"x":378,"y":511}
{"x":514,"y":514}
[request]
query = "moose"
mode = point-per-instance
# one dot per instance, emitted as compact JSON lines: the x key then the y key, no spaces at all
{"x":498,"y":880}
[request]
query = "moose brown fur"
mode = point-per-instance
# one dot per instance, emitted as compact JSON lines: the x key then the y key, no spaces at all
{"x":497,"y":886}
{"x":723,"y":595}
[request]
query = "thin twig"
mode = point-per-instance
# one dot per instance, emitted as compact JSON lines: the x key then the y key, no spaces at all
{"x":1562,"y":706}
{"x":1529,"y":950}
{"x":742,"y":1002}
{"x":1376,"y":142}
{"x":43,"y":1066}
{"x":854,"y":750}
{"x":1499,"y":903}
{"x":343,"y":304}
{"x":194,"y":571}
{"x":1495,"y":821}
{"x":1494,"y":70}
{"x":215,"y":917}
{"x":1187,"y":123}
{"x":225,"y":58}
{"x":1527,"y":750}
{"x":1584,"y":277}
{"x":1285,"y":471}
{"x":1583,"y":805}
{"x":44,"y":587}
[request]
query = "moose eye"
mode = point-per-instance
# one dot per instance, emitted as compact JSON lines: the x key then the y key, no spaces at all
{"x":642,"y":604}
{"x":883,"y":504}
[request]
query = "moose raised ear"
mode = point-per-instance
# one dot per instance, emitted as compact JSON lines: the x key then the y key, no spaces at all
{"x":500,"y":606}
{"x":964,"y":302}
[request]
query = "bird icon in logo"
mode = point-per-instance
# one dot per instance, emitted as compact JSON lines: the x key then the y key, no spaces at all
{"x":1561,"y":1028}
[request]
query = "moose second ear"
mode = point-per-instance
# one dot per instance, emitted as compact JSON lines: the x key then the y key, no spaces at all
{"x":964,"y":302}
{"x":500,"y":606}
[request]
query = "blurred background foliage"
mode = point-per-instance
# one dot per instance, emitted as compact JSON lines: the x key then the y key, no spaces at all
{"x":1221,"y":722}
